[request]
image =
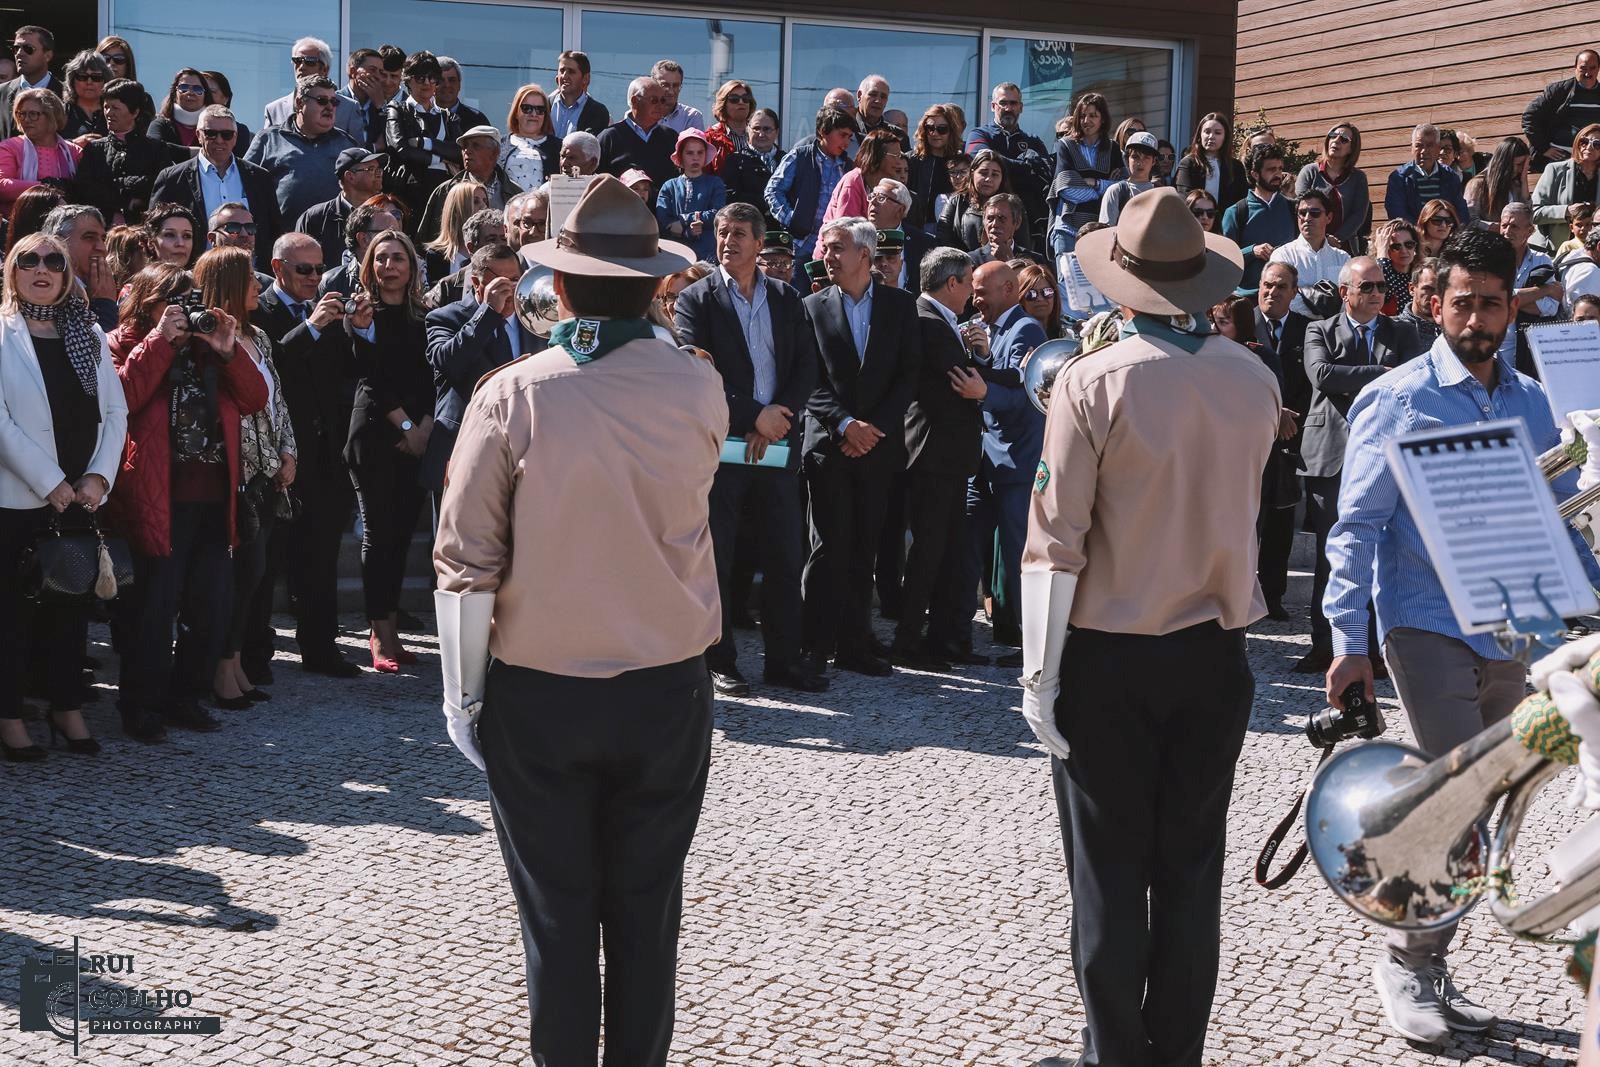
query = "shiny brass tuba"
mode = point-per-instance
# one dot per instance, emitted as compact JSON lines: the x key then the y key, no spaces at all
{"x":538,"y":308}
{"x":1039,"y":370}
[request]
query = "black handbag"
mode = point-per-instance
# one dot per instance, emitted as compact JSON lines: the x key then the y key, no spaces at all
{"x":76,"y":566}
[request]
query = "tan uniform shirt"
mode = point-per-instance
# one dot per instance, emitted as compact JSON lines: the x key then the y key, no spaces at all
{"x":579,"y":495}
{"x":1150,"y":481}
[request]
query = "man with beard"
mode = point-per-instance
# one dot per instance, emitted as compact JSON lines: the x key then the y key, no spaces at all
{"x":1451,"y":685}
{"x":1029,"y":164}
{"x":1263,"y":221}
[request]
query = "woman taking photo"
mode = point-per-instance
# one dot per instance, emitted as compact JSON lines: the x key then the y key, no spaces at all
{"x":879,"y":157}
{"x":1504,"y":181}
{"x":62,"y":424}
{"x":1336,"y":174}
{"x":531,"y":153}
{"x":1395,"y":247}
{"x":187,"y":391}
{"x":733,"y":107}
{"x":1087,"y":162}
{"x":117,"y":171}
{"x":1436,"y":222}
{"x":86,"y":76}
{"x":38,"y":153}
{"x":389,"y":428}
{"x":961,"y":221}
{"x":1571,"y":181}
{"x":179,"y":114}
{"x":173,"y":233}
{"x":227,"y":280}
{"x":421,"y":135}
{"x":1209,"y":164}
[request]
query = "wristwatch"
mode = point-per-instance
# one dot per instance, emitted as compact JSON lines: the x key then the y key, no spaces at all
{"x":406,"y":426}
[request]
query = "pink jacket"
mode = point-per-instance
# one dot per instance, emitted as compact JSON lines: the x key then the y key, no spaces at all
{"x":849,"y":198}
{"x":12,"y":184}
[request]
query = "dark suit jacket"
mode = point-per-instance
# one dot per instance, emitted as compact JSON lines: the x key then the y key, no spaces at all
{"x":1337,"y":373}
{"x":325,"y":222}
{"x":1290,"y":352}
{"x":340,"y":279}
{"x":180,"y":184}
{"x":8,"y":93}
{"x":318,"y":384}
{"x":877,"y":389}
{"x":466,"y":340}
{"x":707,"y":319}
{"x":594,"y":117}
{"x":944,"y":432}
{"x":469,"y":116}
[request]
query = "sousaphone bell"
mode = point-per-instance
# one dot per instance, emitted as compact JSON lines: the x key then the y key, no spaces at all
{"x":538,"y":307}
{"x":1043,"y":364}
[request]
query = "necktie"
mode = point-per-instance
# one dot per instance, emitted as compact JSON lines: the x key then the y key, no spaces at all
{"x":1363,"y":349}
{"x":300,"y":310}
{"x":1274,"y":331}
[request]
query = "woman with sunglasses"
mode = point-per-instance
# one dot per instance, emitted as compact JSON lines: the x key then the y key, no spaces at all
{"x":57,"y":464}
{"x":1336,"y":174}
{"x":1040,"y":300}
{"x":1571,"y":181}
{"x":86,"y":76}
{"x":421,"y":135}
{"x":188,"y":392}
{"x":1395,"y":247}
{"x":935,"y":145}
{"x":179,"y":115}
{"x":733,"y":107}
{"x":532,"y":152}
{"x":38,"y":153}
{"x":1504,"y":181}
{"x":1166,"y":161}
{"x":119,"y":53}
{"x":1203,"y":206}
{"x":1435,"y":223}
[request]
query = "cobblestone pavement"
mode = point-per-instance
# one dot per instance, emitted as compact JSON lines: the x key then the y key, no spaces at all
{"x":877,"y":880}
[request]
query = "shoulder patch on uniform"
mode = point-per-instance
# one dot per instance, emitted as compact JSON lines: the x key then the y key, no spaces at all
{"x":1041,"y":477}
{"x":587,"y":337}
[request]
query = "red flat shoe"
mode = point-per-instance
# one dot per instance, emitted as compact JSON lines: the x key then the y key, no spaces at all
{"x":380,"y":662}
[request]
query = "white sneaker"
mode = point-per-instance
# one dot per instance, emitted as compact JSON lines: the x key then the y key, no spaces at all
{"x":1410,"y":1001}
{"x":1459,"y":1012}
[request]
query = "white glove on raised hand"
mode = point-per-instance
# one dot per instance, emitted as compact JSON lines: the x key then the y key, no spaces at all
{"x":1583,"y":422}
{"x":1569,"y":657}
{"x":1582,"y":712}
{"x":1046,"y":610}
{"x":464,"y":620}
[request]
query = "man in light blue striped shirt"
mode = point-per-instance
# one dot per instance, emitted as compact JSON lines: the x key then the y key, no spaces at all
{"x":1452,"y":686}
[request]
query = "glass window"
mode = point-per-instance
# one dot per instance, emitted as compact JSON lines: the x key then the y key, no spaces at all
{"x":1136,"y":82}
{"x":500,"y":49}
{"x":922,"y":69}
{"x":228,"y":36}
{"x":623,"y":45}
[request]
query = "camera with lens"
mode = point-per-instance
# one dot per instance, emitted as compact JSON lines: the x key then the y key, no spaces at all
{"x":201,"y":318}
{"x":1360,"y":718}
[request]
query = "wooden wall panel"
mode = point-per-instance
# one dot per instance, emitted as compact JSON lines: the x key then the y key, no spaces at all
{"x":1387,"y":65}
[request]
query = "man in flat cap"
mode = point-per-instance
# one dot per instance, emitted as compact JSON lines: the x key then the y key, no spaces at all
{"x":574,"y":547}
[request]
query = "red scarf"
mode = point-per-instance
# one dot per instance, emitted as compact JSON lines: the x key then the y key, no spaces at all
{"x":1336,"y":215}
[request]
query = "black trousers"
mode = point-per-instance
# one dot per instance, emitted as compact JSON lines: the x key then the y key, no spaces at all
{"x":999,"y":510}
{"x":936,"y":508}
{"x":847,"y":502}
{"x":55,"y":631}
{"x":889,"y":567}
{"x":774,"y":496}
{"x":391,"y":502}
{"x":1322,"y":511}
{"x":1275,"y":532}
{"x":249,"y":575}
{"x":596,"y":786}
{"x":197,"y":577}
{"x":1155,"y":725}
{"x":312,"y":545}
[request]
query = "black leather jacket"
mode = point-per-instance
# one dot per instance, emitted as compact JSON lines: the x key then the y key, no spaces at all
{"x":404,"y":130}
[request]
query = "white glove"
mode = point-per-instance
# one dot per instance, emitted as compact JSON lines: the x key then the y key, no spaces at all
{"x":1046,"y":610}
{"x":1583,"y":422}
{"x":1569,"y":657}
{"x":1582,"y":712}
{"x":464,"y":620}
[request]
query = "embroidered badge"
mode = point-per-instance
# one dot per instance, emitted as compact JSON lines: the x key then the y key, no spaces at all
{"x":1041,"y":477}
{"x":587,"y":337}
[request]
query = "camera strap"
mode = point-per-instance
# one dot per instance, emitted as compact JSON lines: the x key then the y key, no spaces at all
{"x":1275,"y":840}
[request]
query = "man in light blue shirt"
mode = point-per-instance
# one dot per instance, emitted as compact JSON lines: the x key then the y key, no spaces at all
{"x":1542,"y":299}
{"x":1452,"y":686}
{"x":220,"y":181}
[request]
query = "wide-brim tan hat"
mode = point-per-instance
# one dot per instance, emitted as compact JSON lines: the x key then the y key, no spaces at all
{"x":1157,"y":259}
{"x":611,"y":234}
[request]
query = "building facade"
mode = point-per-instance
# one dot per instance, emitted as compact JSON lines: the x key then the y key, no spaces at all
{"x":1162,"y":61}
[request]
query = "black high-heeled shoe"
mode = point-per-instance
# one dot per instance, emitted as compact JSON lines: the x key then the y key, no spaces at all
{"x":26,"y":754}
{"x":238,"y":703}
{"x":256,"y":695}
{"x":82,"y":746}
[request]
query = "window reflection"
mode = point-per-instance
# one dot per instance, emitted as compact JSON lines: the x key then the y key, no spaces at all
{"x":623,"y":45}
{"x":252,"y":50}
{"x":922,"y":69}
{"x":499,"y":48}
{"x":1134,"y":81}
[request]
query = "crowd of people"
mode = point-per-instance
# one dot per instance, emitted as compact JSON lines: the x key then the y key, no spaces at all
{"x":232,"y":340}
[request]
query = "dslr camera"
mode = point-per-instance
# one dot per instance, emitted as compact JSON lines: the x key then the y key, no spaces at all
{"x":1329,"y":726}
{"x":201,"y":320}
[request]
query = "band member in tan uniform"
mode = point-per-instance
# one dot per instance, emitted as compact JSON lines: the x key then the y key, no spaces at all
{"x":1142,"y":538}
{"x":574,"y":548}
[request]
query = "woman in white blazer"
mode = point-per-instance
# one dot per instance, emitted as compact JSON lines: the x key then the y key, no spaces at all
{"x":63,"y":421}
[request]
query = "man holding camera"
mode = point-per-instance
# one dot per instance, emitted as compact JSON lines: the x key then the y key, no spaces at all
{"x":1451,"y":685}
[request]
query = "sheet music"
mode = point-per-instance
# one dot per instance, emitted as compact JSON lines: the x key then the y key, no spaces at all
{"x":1081,"y":293}
{"x":565,"y":192}
{"x":1568,"y":357}
{"x":1486,"y":514}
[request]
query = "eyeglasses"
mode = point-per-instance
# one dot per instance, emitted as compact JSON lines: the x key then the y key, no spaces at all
{"x":1442,"y":220}
{"x":29,"y":115}
{"x":1403,"y":246}
{"x":936,"y":127}
{"x":1339,"y":137}
{"x":189,"y":88}
{"x":1165,"y":157}
{"x":1589,"y":142}
{"x":1203,"y":212}
{"x":304,"y":269}
{"x":876,"y":197}
{"x":323,"y":101}
{"x":365,"y":168}
{"x":115,"y":57}
{"x":54,"y":262}
{"x":307,"y":61}
{"x":740,"y":98}
{"x":89,"y":76}
{"x":1039,"y":294}
{"x":236,"y":228}
{"x":218,"y":135}
{"x":1365,"y":288}
{"x":532,"y":109}
{"x":427,"y":79}
{"x":1310,"y":212}
{"x":25,"y":49}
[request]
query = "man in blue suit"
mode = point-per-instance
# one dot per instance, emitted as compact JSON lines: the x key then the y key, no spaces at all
{"x":466,"y":340}
{"x":1013,"y":436}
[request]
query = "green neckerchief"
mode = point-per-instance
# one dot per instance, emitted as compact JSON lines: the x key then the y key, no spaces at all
{"x":1163,"y":329}
{"x":589,"y":339}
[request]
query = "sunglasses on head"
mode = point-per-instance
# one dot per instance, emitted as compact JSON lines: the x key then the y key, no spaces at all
{"x":89,"y":76}
{"x":1039,"y":294}
{"x":189,"y":87}
{"x":1365,"y":288}
{"x":532,"y":109}
{"x":304,"y":269}
{"x":54,"y":262}
{"x":218,"y":135}
{"x":740,"y":98}
{"x":236,"y":228}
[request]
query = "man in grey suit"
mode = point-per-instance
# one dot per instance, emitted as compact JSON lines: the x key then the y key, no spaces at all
{"x":312,"y":56}
{"x":1342,"y":355}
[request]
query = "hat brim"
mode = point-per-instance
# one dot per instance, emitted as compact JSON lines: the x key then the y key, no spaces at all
{"x":670,"y":259}
{"x":1189,"y":296}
